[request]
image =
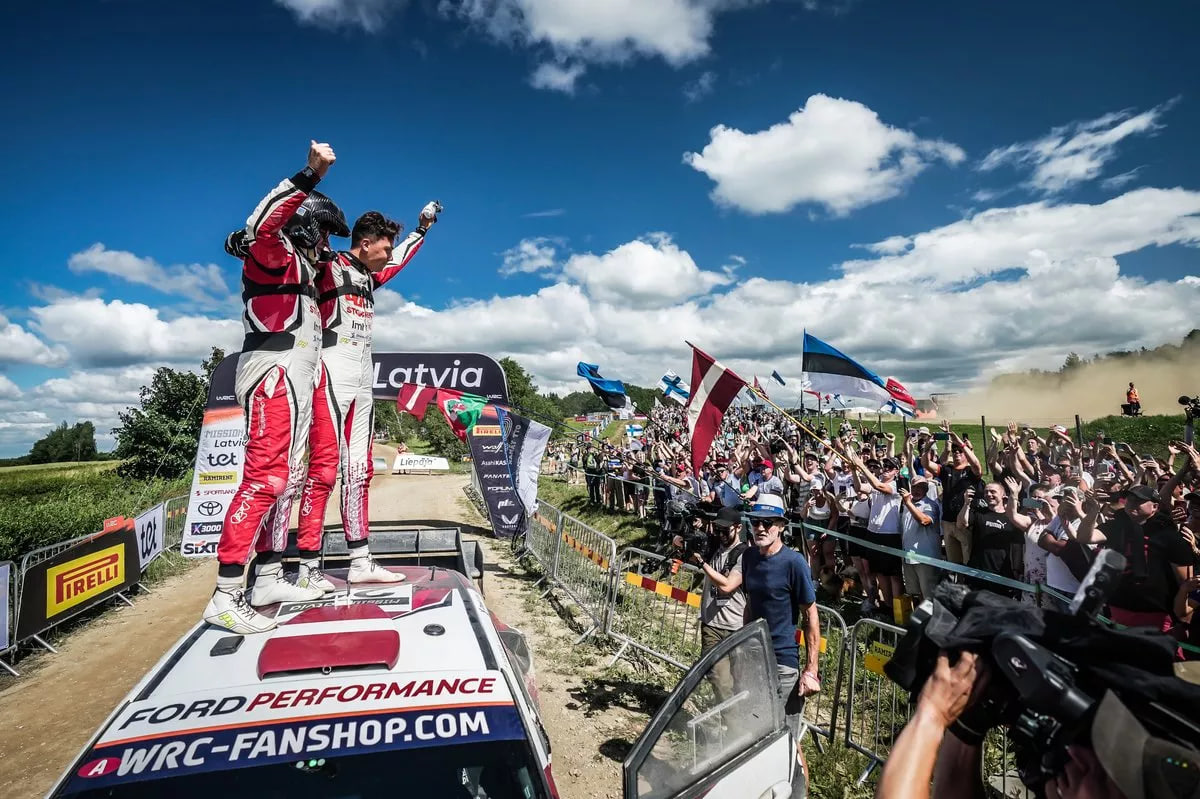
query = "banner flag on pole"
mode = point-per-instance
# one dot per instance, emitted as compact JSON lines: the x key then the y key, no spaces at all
{"x":762,"y":392}
{"x":713,"y":389}
{"x":778,"y":379}
{"x":673,"y":387}
{"x":612,"y":392}
{"x":461,"y":410}
{"x":901,"y":400}
{"x":832,"y":372}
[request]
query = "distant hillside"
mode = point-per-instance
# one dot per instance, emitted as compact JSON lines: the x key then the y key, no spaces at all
{"x":1092,"y":387}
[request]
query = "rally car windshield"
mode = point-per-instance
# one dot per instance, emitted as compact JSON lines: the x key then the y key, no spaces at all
{"x":491,"y":770}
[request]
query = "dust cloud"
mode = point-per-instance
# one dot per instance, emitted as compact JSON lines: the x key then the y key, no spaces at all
{"x":1092,"y":390}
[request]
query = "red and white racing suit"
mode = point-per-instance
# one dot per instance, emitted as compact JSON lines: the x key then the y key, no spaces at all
{"x":343,"y":403}
{"x":276,"y":373}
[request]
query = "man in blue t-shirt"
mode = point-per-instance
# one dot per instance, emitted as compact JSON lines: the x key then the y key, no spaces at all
{"x":779,"y":589}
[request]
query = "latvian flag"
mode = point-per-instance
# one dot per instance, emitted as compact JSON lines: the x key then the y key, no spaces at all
{"x":762,"y":392}
{"x":832,"y":372}
{"x":713,"y":389}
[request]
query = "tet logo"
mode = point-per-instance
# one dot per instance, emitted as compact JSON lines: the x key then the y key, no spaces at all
{"x":77,"y":581}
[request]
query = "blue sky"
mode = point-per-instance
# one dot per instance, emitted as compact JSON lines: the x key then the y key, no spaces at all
{"x":617,"y":177}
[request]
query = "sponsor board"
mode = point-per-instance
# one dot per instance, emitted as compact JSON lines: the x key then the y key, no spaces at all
{"x":218,"y":473}
{"x":77,"y":578}
{"x":335,"y":716}
{"x":428,"y":463}
{"x":150,"y":527}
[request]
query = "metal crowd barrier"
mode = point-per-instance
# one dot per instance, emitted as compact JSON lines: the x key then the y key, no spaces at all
{"x":9,"y":621}
{"x":655,"y":609}
{"x":584,"y":569}
{"x":876,"y":708}
{"x":542,"y":540}
{"x":176,"y":514}
{"x":821,"y":709}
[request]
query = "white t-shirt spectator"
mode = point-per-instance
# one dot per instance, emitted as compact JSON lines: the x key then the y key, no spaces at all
{"x":1058,"y":576}
{"x":884,"y":515}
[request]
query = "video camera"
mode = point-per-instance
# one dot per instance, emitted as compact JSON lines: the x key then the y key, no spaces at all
{"x":1191,"y":407}
{"x":1050,"y":675}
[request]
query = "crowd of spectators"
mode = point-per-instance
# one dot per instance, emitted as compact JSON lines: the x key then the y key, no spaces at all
{"x":1021,"y":506}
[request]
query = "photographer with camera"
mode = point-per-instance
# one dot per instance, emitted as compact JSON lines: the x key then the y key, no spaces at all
{"x":723,"y":602}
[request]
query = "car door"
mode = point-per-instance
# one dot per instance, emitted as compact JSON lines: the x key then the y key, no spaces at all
{"x":721,"y":733}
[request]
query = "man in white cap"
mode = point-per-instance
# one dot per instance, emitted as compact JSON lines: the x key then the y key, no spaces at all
{"x":779,"y":589}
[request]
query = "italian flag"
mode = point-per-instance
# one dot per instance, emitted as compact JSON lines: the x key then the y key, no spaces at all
{"x":461,"y":410}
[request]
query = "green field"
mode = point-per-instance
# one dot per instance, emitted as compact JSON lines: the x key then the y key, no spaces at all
{"x":48,"y":503}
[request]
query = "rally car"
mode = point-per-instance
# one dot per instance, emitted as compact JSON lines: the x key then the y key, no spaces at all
{"x":411,"y":689}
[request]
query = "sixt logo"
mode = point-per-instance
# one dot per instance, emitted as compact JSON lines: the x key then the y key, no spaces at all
{"x":192,"y":549}
{"x":79,"y":580}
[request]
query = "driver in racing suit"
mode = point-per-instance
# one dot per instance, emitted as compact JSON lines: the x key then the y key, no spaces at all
{"x":277,"y":369}
{"x":343,"y":403}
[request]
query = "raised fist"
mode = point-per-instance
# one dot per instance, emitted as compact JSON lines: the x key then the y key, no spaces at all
{"x":320,"y":157}
{"x":429,"y":213}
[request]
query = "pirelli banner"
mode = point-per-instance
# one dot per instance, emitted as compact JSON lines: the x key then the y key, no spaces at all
{"x":223,"y":434}
{"x":77,"y":578}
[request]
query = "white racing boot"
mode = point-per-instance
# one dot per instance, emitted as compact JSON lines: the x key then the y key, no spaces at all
{"x":271,"y":587}
{"x":229,"y":609}
{"x":363,"y":569}
{"x":311,"y":576}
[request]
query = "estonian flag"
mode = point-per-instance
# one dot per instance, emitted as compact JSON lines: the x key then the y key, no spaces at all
{"x":833,"y":372}
{"x":611,"y":391}
{"x":778,"y":379}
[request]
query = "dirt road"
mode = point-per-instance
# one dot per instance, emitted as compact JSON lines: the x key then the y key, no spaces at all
{"x":591,"y":715}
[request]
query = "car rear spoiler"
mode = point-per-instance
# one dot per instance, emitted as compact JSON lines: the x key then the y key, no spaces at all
{"x":396,"y":545}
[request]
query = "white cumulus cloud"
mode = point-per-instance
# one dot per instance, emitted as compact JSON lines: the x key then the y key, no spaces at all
{"x":369,"y":15}
{"x":1077,"y":152}
{"x":529,"y":256}
{"x":648,"y":273}
{"x":18,"y":345}
{"x":557,"y":77}
{"x":118,"y":333}
{"x":201,"y":283}
{"x":832,"y":152}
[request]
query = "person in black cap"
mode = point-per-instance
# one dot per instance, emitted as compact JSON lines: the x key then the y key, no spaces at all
{"x":723,"y":603}
{"x":1158,"y":558}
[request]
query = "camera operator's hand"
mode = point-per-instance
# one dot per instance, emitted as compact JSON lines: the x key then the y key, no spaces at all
{"x":1083,"y":778}
{"x":948,"y":690}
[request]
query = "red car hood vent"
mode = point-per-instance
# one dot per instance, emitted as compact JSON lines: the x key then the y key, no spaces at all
{"x":324,"y":639}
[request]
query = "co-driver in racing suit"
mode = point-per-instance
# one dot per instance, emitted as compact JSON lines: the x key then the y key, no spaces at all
{"x":343,"y":404}
{"x":276,"y":372}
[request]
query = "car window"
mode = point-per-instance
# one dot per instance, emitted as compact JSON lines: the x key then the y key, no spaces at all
{"x":491,"y":770}
{"x":729,"y":708}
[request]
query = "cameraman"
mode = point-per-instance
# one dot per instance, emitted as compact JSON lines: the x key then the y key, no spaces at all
{"x":723,"y":603}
